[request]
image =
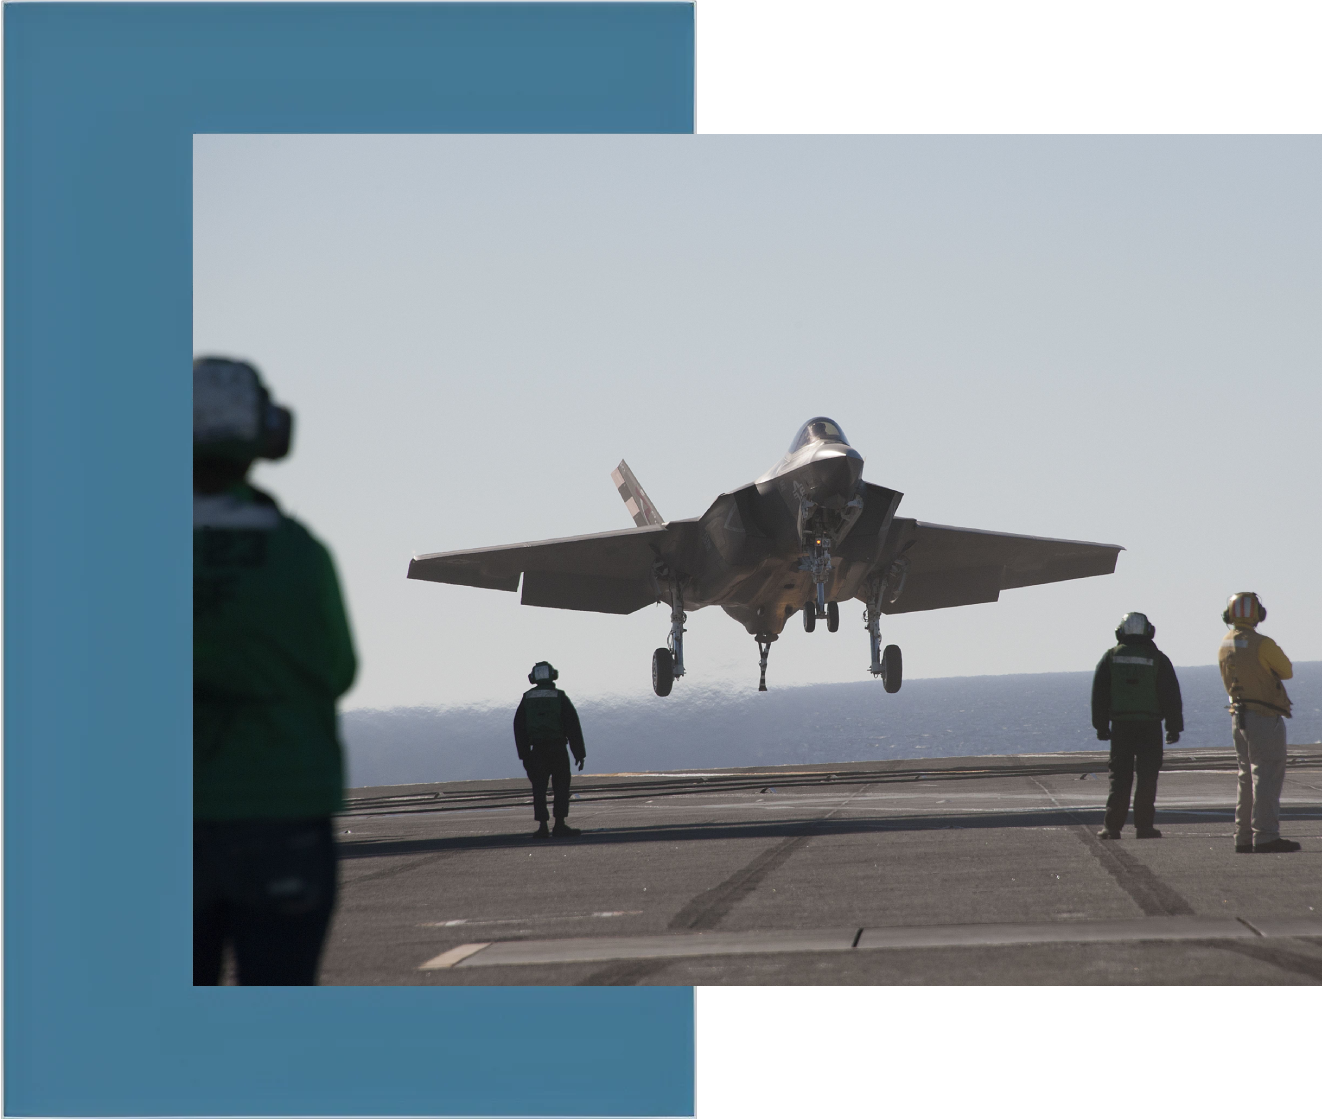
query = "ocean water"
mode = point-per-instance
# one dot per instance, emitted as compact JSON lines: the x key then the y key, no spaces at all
{"x":855,"y":722}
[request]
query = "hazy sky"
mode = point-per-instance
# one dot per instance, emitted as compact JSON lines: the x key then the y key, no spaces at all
{"x":1105,"y":339}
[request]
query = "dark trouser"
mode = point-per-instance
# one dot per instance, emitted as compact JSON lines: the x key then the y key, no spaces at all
{"x":543,"y":762}
{"x":1137,"y":747}
{"x":267,"y":887}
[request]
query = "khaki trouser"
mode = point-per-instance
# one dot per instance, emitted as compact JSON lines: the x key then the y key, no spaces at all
{"x":1260,"y":745}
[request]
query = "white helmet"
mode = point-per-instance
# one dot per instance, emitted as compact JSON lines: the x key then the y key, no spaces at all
{"x":1135,"y":625}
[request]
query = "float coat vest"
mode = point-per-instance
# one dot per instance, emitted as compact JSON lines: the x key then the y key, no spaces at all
{"x":1134,"y":684}
{"x":541,"y":709}
{"x":1248,"y":681}
{"x":271,"y":654}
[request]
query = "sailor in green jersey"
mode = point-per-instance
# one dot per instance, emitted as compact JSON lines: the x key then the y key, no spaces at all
{"x":544,"y":722}
{"x":1133,"y":690}
{"x":271,"y":654}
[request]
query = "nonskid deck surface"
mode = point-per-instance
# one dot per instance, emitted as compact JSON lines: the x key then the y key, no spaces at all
{"x":962,"y":870}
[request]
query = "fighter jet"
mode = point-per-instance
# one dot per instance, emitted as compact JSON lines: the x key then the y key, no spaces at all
{"x":805,"y":537}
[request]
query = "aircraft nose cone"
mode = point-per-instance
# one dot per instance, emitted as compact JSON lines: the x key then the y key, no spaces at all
{"x":835,"y":470}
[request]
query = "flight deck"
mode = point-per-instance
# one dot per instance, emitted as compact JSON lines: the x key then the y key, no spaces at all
{"x":977,"y":870}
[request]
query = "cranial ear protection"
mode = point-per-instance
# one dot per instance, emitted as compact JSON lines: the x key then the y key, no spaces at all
{"x":233,"y":414}
{"x":1135,"y":624}
{"x":543,"y":673}
{"x":1243,"y":608}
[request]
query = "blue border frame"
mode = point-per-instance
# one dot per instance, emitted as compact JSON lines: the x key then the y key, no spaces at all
{"x":101,"y":105}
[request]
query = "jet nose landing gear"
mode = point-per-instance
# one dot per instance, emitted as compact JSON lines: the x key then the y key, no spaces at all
{"x":811,"y":614}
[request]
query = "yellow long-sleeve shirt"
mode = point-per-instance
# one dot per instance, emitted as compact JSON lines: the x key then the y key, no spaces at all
{"x":1273,"y":659}
{"x":1252,"y":669}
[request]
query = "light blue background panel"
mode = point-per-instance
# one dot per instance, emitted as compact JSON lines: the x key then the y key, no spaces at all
{"x":102,"y":102}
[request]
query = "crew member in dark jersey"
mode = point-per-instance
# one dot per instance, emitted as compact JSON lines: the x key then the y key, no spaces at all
{"x":1133,"y":690}
{"x":543,"y":725}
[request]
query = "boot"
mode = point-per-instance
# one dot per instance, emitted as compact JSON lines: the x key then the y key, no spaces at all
{"x":563,"y":831}
{"x":1277,"y":845}
{"x":1108,"y":834}
{"x":1148,"y":834}
{"x":542,"y":833}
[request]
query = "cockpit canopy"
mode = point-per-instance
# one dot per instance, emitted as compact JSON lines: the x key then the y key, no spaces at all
{"x":820,"y":429}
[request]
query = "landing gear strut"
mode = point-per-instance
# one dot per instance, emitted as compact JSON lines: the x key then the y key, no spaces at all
{"x":886,"y":664}
{"x":763,"y":648}
{"x":817,"y":559}
{"x":668,"y":661}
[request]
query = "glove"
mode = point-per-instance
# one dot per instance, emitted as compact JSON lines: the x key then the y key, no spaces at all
{"x":580,"y":764}
{"x":1103,"y":733}
{"x":1172,"y":736}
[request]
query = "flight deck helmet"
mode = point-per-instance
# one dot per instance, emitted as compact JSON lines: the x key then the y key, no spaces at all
{"x":1135,"y":625}
{"x":233,"y":414}
{"x":1244,"y":609}
{"x":543,"y":673}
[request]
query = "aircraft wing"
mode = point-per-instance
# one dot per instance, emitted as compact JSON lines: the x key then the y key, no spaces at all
{"x":607,"y":572}
{"x":951,"y":567}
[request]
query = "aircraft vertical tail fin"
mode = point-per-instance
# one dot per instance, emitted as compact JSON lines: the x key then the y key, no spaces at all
{"x":636,"y":501}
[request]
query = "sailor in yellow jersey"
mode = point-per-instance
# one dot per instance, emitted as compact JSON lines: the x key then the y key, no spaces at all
{"x":1252,"y":669}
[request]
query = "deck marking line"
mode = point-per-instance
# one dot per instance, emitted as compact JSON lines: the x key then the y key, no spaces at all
{"x":1289,"y":927}
{"x":575,"y":950}
{"x":586,"y":950}
{"x":1173,"y":928}
{"x":452,"y":957}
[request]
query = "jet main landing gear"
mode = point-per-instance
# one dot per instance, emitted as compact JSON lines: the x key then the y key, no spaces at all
{"x":663,"y":672}
{"x":892,"y":669}
{"x":886,"y":664}
{"x":668,"y":661}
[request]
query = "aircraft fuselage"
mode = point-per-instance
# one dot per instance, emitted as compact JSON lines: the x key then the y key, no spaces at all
{"x":765,"y":538}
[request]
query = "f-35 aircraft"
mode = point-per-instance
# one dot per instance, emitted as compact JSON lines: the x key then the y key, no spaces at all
{"x":806,"y":536}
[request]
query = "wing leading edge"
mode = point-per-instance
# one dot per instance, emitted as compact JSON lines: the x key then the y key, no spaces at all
{"x":953,"y":567}
{"x":607,"y":572}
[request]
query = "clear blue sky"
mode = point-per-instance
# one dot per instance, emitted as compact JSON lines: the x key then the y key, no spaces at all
{"x":1108,"y":339}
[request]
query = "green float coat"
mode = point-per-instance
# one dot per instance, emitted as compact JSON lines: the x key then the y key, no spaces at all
{"x":1134,"y":684}
{"x":271,"y":654}
{"x":541,"y":709}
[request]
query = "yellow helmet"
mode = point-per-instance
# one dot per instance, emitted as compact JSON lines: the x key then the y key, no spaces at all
{"x":1244,"y":609}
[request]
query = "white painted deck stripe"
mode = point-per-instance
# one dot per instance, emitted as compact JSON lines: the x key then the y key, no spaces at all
{"x":579,"y":950}
{"x":718,"y":943}
{"x":1033,"y":933}
{"x":452,"y":957}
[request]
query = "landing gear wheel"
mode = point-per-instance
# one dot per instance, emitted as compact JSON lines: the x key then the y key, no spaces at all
{"x":663,"y":672}
{"x":833,"y":616}
{"x":809,"y":617}
{"x":892,"y":668}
